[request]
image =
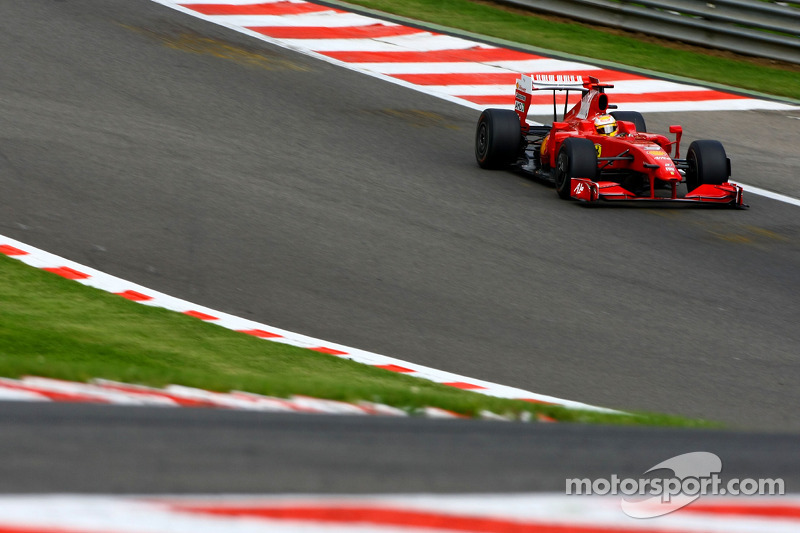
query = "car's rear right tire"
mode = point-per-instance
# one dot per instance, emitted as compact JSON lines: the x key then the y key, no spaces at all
{"x":707,"y":164}
{"x":631,"y":116}
{"x":498,"y":138}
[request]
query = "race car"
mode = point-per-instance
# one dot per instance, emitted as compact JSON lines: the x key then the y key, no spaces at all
{"x":597,"y":153}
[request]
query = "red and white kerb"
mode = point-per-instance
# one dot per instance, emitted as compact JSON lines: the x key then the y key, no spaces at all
{"x":458,"y":69}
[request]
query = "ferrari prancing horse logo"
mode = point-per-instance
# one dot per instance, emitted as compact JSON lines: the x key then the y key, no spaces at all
{"x":598,"y":149}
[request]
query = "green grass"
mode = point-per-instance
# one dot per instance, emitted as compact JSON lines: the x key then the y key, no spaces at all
{"x":54,"y":327}
{"x":487,"y":19}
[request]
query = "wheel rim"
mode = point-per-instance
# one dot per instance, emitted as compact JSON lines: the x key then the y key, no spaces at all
{"x":561,"y":171}
{"x":483,"y":140}
{"x":692,"y":173}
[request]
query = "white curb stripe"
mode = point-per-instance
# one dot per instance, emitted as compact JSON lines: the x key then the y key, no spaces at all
{"x":8,"y":394}
{"x":419,"y":42}
{"x":464,"y":67}
{"x":329,"y":19}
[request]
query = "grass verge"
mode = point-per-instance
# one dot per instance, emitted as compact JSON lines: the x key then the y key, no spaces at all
{"x":621,"y":48}
{"x":54,"y":327}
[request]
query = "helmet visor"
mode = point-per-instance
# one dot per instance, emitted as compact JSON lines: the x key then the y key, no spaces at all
{"x":606,"y":129}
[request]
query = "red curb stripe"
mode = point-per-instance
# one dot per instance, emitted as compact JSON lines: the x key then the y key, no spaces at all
{"x":349,"y":32}
{"x":275,"y":8}
{"x":201,"y":316}
{"x":259,"y":333}
{"x":394,"y":368}
{"x":771,"y":511}
{"x":56,"y":396}
{"x":67,"y":272}
{"x":498,"y":78}
{"x":536,"y":99}
{"x":399,"y":517}
{"x":7,"y":249}
{"x":329,"y":351}
{"x":134,"y":296}
{"x":465,"y":386}
{"x":468,"y":55}
{"x":533,"y":400}
{"x":136,"y":391}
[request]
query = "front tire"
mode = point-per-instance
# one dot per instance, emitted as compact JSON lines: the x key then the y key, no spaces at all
{"x":498,"y":138}
{"x":577,"y":158}
{"x":707,"y":164}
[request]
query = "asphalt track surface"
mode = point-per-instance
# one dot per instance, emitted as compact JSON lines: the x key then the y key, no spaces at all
{"x":270,"y":185}
{"x":137,"y":450}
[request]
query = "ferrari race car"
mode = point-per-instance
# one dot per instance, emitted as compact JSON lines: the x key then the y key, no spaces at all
{"x":594,"y":153}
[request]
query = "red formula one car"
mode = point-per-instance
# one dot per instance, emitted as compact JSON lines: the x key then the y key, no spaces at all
{"x":594,"y":153}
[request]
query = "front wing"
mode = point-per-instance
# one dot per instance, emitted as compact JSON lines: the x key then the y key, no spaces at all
{"x":589,"y":191}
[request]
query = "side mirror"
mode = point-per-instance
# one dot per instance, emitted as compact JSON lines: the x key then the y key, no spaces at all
{"x":675,"y":129}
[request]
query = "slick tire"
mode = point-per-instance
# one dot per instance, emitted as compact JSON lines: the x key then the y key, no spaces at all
{"x":631,"y":116}
{"x":498,"y":138}
{"x":707,"y":164}
{"x":577,"y":158}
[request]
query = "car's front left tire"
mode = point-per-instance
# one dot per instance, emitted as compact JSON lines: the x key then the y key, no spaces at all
{"x":577,"y":158}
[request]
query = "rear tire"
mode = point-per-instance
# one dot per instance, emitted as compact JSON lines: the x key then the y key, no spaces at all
{"x":577,"y":158}
{"x":631,"y":116}
{"x":498,"y":138}
{"x":707,"y":164}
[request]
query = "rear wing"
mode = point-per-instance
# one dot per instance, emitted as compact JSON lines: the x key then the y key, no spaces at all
{"x":553,"y":82}
{"x":526,"y":85}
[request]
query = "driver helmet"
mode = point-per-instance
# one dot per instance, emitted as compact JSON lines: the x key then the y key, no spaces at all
{"x":605,"y":125}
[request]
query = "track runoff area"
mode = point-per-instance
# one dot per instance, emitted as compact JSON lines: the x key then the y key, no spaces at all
{"x":475,"y":75}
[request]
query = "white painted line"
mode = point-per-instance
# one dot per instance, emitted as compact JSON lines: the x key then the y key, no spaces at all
{"x":749,"y":189}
